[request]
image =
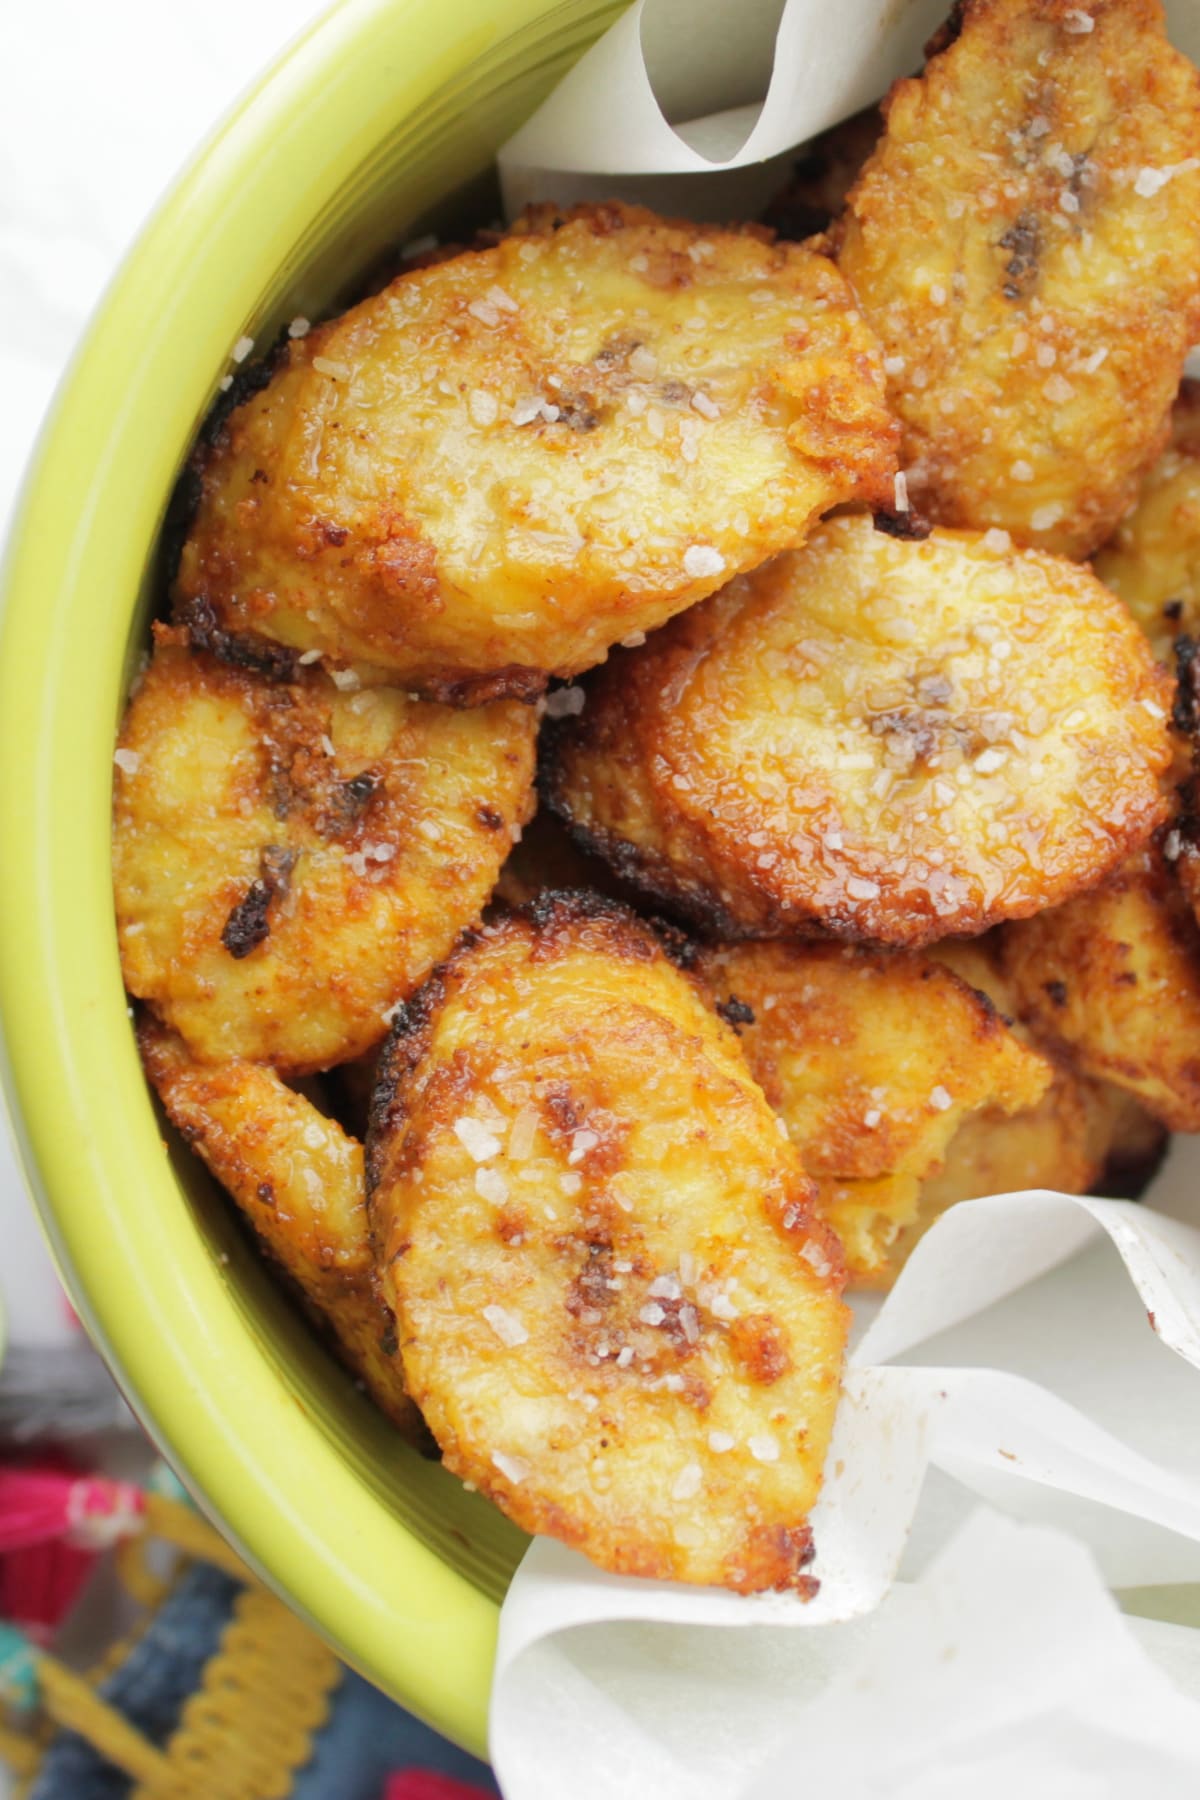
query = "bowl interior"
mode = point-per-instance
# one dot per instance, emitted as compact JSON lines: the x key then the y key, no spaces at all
{"x":376,"y":118}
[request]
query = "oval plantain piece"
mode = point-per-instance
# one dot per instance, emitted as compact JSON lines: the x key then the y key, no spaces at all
{"x":289,"y":859}
{"x":298,"y":1178}
{"x":1026,"y":241}
{"x":1153,"y":559}
{"x":616,"y":1310}
{"x":875,"y":738}
{"x":1112,"y":979}
{"x":876,"y":1061}
{"x":503,"y":464}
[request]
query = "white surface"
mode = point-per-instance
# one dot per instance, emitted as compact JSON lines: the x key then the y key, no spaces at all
{"x":103,"y":102}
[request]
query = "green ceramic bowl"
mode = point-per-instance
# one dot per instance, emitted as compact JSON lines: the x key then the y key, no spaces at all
{"x":380,"y":111}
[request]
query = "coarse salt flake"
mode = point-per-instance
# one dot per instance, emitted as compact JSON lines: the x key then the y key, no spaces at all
{"x":997,"y":540}
{"x":345,"y":680}
{"x":523,"y":1134}
{"x":1043,"y":517}
{"x":582,"y":1141}
{"x":506,"y":1326}
{"x":491,"y":1186}
{"x":336,"y":371}
{"x":652,"y":1314}
{"x":1021,"y":470}
{"x":872,"y":1117}
{"x":705,"y":406}
{"x":764,"y":1449}
{"x":504,"y":301}
{"x":242,"y":349}
{"x":900,"y":491}
{"x":988,"y":761}
{"x":309,"y":657}
{"x":483,"y":407}
{"x":479,"y":1143}
{"x":484,"y":311}
{"x":633,"y":640}
{"x":720,"y":1441}
{"x":513,"y":1468}
{"x":1078,"y":22}
{"x":860,"y":889}
{"x":687,"y":1482}
{"x":128,"y":761}
{"x":565,"y":703}
{"x":299,"y":327}
{"x":701,"y":560}
{"x":940,"y":1099}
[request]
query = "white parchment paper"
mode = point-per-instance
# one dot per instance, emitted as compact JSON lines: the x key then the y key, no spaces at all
{"x":1037,"y":1361}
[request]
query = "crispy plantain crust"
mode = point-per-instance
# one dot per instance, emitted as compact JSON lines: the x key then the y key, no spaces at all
{"x":290,"y":860}
{"x":298,"y":1179}
{"x":876,"y":738}
{"x":1153,"y":560}
{"x":875,"y":1061}
{"x":1026,"y":242}
{"x":1112,"y":980}
{"x":616,"y":1310}
{"x":505,"y":463}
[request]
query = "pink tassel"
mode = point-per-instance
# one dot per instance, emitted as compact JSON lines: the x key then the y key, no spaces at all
{"x":44,"y":1503}
{"x":54,"y":1522}
{"x":428,"y":1784}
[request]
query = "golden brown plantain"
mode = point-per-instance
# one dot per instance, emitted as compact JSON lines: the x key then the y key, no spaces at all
{"x":289,"y":859}
{"x":505,"y":463}
{"x":1153,"y":561}
{"x":298,"y":1179}
{"x":1112,"y":980}
{"x":615,"y":1307}
{"x":877,"y":1062}
{"x":875,"y":738}
{"x":1026,"y":242}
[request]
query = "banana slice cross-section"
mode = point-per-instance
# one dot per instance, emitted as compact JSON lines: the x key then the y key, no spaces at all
{"x":616,"y":1309}
{"x":1026,"y":241}
{"x":298,"y":1179}
{"x":507,"y":462}
{"x":874,"y":738}
{"x":875,"y":1061}
{"x":290,"y":859}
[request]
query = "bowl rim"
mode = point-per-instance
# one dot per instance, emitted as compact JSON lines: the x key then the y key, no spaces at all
{"x":175,"y":1331}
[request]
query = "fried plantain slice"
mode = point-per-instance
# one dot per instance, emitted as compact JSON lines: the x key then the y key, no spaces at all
{"x":875,"y":738}
{"x":298,"y":1179}
{"x":1112,"y":979}
{"x":876,"y":1061}
{"x":616,"y":1310}
{"x":289,"y":860}
{"x":505,"y":463}
{"x":1153,"y":561}
{"x":1026,"y":242}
